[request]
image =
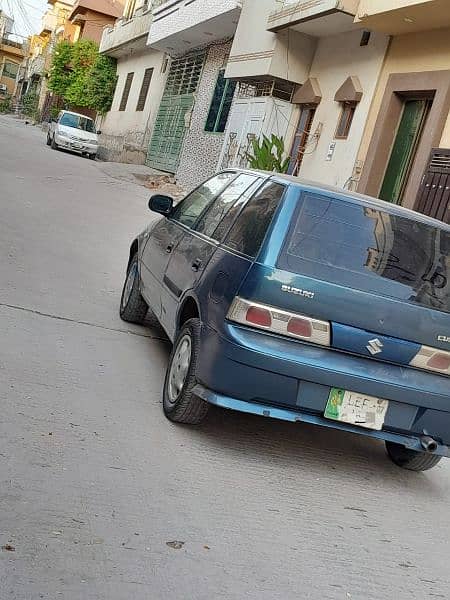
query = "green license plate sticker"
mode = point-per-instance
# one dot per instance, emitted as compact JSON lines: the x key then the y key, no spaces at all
{"x":356,"y":409}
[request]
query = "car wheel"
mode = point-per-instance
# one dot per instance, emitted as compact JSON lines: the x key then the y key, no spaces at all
{"x":133,"y":307}
{"x":91,"y":156}
{"x":180,"y":404}
{"x":49,"y":141}
{"x":410,"y":459}
{"x":53,"y":144}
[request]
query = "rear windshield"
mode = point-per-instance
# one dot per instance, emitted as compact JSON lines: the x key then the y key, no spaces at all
{"x":369,"y":249}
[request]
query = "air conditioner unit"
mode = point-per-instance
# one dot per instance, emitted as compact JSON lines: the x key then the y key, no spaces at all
{"x":3,"y":88}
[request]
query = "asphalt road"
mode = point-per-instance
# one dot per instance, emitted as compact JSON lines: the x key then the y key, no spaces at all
{"x":94,"y":482}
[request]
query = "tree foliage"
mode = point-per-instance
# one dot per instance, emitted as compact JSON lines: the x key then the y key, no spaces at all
{"x":83,"y":77}
{"x":268,"y":154}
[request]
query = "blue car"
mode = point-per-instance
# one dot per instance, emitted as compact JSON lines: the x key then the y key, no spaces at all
{"x":302,"y":302}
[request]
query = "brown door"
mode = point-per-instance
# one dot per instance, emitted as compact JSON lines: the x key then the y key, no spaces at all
{"x":301,"y":139}
{"x":434,"y":192}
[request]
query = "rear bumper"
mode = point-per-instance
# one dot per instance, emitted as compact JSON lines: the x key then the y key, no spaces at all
{"x":270,"y":376}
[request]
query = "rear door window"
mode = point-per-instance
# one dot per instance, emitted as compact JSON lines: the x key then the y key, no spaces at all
{"x":369,"y":249}
{"x":189,"y":210}
{"x":248,"y":232}
{"x":220,"y":208}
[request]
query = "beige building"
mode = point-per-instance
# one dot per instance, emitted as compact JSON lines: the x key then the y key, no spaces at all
{"x":307,"y":72}
{"x":405,"y":150}
{"x":141,"y":76}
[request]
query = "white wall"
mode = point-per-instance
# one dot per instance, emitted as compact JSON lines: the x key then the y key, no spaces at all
{"x":125,"y":134}
{"x":337,"y":58}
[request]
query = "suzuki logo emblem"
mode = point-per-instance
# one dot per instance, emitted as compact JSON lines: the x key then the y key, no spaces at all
{"x":375,"y":346}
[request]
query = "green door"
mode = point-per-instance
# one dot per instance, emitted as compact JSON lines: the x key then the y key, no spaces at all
{"x":405,"y":145}
{"x":177,"y":101}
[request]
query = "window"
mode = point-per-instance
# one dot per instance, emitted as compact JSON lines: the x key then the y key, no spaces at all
{"x":77,"y":122}
{"x":129,"y":9}
{"x":218,"y":211}
{"x":369,"y":249}
{"x":221,"y":104}
{"x":250,"y":228}
{"x":10,"y":70}
{"x":190,"y":209}
{"x":345,"y":120}
{"x":126,"y":91}
{"x":144,"y":89}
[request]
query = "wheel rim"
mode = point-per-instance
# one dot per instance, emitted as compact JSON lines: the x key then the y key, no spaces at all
{"x":129,"y":285}
{"x":179,"y":368}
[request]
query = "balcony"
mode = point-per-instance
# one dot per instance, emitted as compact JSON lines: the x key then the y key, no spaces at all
{"x":396,"y":17}
{"x":313,"y":17}
{"x":182,"y":25}
{"x":127,"y":34}
{"x":11,"y":47}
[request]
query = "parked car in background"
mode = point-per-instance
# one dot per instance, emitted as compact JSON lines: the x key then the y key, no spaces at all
{"x":75,"y":132}
{"x":301,"y":302}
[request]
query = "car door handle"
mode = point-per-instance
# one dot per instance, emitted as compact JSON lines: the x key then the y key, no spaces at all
{"x":169,"y":248}
{"x":196,"y":264}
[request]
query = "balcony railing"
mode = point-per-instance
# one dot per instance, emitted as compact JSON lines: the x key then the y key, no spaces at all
{"x":127,"y":30}
{"x":313,"y":17}
{"x":182,"y":25}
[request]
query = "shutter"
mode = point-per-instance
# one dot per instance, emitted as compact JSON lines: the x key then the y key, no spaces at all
{"x":144,"y":89}
{"x":434,"y":193}
{"x":126,"y":91}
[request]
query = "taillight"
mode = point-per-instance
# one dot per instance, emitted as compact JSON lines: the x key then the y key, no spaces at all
{"x":279,"y":321}
{"x":432,"y":359}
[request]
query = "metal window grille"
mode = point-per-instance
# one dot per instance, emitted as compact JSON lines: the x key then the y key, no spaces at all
{"x":184,"y":75}
{"x":283,"y":90}
{"x":144,"y":89}
{"x":126,"y":91}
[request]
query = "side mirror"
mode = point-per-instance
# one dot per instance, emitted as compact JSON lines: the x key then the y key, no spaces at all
{"x":98,"y":132}
{"x":161,"y":204}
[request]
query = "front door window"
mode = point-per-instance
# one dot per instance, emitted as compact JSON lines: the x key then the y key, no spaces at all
{"x":301,"y":139}
{"x":190,"y":209}
{"x":404,"y":149}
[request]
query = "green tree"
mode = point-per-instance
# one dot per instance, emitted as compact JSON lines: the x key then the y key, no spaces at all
{"x":61,"y":74}
{"x":82,"y":76}
{"x":102,"y":83}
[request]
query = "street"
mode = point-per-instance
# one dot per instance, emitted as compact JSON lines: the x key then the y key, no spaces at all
{"x":102,"y":498}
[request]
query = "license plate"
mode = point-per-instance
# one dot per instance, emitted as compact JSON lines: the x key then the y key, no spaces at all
{"x":357,"y":409}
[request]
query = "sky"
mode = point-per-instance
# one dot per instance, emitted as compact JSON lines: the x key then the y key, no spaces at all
{"x":27,"y":14}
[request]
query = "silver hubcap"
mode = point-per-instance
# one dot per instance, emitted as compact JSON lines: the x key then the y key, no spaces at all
{"x":179,"y":367}
{"x":129,"y":285}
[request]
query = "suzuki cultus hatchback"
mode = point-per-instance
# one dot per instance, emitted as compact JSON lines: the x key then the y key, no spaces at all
{"x":301,"y":302}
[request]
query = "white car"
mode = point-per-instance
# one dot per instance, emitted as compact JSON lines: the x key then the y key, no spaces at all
{"x":72,"y":131}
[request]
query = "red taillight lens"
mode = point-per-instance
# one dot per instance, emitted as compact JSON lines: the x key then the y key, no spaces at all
{"x":259,"y":316}
{"x":278,"y":321}
{"x":300,"y":327}
{"x":440,"y":362}
{"x":432,"y":359}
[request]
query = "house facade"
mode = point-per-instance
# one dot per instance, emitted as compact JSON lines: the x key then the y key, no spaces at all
{"x":141,"y":76}
{"x":405,"y":150}
{"x":307,"y":73}
{"x":189,"y":129}
{"x":12,"y":54}
{"x":92,"y":16}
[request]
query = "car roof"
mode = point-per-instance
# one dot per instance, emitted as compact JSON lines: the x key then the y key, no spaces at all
{"x":70,"y":112}
{"x":362,"y":199}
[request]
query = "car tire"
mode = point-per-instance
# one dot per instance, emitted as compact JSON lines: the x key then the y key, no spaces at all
{"x":180,"y":404}
{"x":410,"y":459}
{"x":91,"y":156}
{"x":133,"y":307}
{"x":53,"y":144}
{"x":49,"y":141}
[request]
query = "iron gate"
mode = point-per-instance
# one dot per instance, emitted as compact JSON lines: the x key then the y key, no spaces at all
{"x":434,"y":192}
{"x":177,"y":101}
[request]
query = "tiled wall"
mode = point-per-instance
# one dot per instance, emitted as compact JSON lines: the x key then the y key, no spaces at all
{"x":201,"y":149}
